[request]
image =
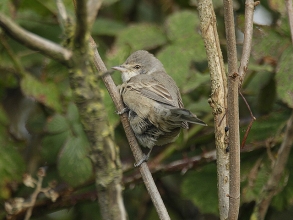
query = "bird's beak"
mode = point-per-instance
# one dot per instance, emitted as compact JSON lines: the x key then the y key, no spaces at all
{"x":120,"y":68}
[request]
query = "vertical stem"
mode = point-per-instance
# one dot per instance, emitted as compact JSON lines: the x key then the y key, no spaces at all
{"x":218,"y":100}
{"x":233,"y":112}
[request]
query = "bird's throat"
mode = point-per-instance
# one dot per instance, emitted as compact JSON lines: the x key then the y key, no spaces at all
{"x":127,"y":75}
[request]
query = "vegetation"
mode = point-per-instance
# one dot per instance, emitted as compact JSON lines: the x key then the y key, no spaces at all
{"x":42,"y":126}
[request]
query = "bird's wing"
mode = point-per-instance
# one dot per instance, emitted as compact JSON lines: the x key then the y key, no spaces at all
{"x":152,"y":89}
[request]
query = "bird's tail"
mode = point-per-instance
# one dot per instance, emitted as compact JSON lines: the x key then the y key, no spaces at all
{"x":186,"y":115}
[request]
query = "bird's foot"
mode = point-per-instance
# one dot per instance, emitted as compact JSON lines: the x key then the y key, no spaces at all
{"x":126,"y":109}
{"x":145,"y":158}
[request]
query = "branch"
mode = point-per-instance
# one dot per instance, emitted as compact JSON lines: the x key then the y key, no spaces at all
{"x":35,"y":42}
{"x":272,"y":186}
{"x":92,"y":10}
{"x":176,"y":166}
{"x":62,"y":15}
{"x":250,"y":123}
{"x":218,"y":100}
{"x":137,"y":153}
{"x":68,"y":196}
{"x":248,"y":31}
{"x":81,"y":29}
{"x":233,"y":112}
{"x":289,"y":7}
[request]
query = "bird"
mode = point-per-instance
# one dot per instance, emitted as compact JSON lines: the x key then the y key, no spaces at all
{"x":153,"y":101}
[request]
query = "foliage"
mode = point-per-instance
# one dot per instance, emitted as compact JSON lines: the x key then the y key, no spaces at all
{"x":40,"y":125}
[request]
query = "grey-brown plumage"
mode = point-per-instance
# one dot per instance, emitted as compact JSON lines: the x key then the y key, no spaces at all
{"x":156,"y":111}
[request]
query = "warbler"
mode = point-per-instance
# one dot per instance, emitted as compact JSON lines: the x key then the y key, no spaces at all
{"x":155,"y":109}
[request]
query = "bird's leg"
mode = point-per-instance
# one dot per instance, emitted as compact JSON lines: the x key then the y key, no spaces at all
{"x":126,"y":109}
{"x":145,"y":158}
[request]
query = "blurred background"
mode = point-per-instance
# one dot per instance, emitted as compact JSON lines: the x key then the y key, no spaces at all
{"x":40,"y":125}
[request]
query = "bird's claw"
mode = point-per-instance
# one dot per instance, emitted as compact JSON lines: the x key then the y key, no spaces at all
{"x":123,"y":111}
{"x":145,"y":158}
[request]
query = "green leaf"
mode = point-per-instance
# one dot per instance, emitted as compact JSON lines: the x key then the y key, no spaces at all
{"x":283,"y":199}
{"x":269,"y":126}
{"x":12,"y":167}
{"x":201,"y":187}
{"x":270,"y":44}
{"x":108,"y":27}
{"x":254,"y":188}
{"x":5,"y":5}
{"x":183,"y":25}
{"x":267,"y":97}
{"x":178,"y":65}
{"x":141,"y":36}
{"x":74,"y":166}
{"x":186,"y":48}
{"x":72,"y":113}
{"x":284,"y":77}
{"x":51,"y":146}
{"x":46,"y":93}
{"x":57,"y":124}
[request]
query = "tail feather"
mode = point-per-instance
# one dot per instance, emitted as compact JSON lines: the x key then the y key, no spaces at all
{"x":186,"y":115}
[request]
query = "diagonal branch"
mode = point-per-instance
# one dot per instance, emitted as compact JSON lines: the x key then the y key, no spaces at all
{"x":233,"y":112}
{"x":35,"y":42}
{"x":143,"y":168}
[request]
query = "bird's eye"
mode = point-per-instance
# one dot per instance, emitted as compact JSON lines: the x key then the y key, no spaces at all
{"x":137,"y":67}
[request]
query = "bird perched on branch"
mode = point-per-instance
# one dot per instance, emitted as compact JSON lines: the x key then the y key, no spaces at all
{"x":155,"y":109}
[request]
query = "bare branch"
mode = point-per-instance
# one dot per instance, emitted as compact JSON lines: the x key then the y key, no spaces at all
{"x":218,"y":100}
{"x":35,"y":42}
{"x":62,"y":14}
{"x":250,"y":124}
{"x":144,"y":170}
{"x":92,"y":10}
{"x":273,"y":185}
{"x":179,"y":165}
{"x":248,"y":31}
{"x":289,"y":7}
{"x":233,"y":112}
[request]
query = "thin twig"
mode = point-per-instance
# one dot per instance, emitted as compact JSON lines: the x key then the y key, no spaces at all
{"x":248,"y":32}
{"x":62,"y":15}
{"x":176,"y":166}
{"x":35,"y":42}
{"x":33,"y":199}
{"x":250,"y":124}
{"x":247,"y":105}
{"x":233,"y":115}
{"x":289,"y":7}
{"x":246,"y":133}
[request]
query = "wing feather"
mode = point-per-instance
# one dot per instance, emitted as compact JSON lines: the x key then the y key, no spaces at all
{"x":152,"y":89}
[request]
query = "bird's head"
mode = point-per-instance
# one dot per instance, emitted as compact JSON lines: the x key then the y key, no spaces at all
{"x":140,"y":62}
